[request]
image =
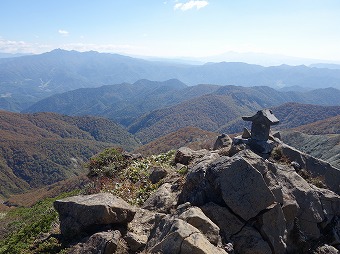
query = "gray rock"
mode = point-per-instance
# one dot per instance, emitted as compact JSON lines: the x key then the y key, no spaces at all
{"x":255,"y":160}
{"x":135,"y":242}
{"x":162,"y":200}
{"x":246,"y":133}
{"x":326,"y":249}
{"x":332,"y":232}
{"x":82,"y":213}
{"x":296,"y":166}
{"x":249,"y":241}
{"x":98,"y":243}
{"x":172,"y":235}
{"x":300,"y":200}
{"x":197,"y":190}
{"x":195,"y":217}
{"x":143,"y":222}
{"x":185,"y":155}
{"x":314,"y":166}
{"x":222,"y":141}
{"x":228,"y":223}
{"x":226,"y":180}
{"x":242,"y":187}
{"x":273,"y":228}
{"x":157,"y":173}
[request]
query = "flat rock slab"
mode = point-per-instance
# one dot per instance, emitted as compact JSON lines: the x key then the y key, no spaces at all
{"x":81,"y":213}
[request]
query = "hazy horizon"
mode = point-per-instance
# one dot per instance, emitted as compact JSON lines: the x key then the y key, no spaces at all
{"x":177,"y":29}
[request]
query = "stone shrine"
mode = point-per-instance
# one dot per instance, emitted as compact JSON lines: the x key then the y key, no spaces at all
{"x":258,"y":140}
{"x":261,"y":123}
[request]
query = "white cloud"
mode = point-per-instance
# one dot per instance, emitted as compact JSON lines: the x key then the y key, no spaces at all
{"x":8,"y":46}
{"x":190,"y":5}
{"x":63,"y":32}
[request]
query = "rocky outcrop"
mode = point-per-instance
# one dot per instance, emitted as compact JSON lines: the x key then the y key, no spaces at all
{"x":234,"y":202}
{"x":173,"y":235}
{"x":314,"y":166}
{"x":86,"y":213}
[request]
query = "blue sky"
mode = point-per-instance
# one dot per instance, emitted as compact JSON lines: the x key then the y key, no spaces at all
{"x":174,"y":28}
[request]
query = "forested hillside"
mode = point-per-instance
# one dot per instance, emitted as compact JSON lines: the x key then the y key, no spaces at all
{"x":295,"y":114}
{"x":208,"y":112}
{"x":222,"y":113}
{"x":121,"y":102}
{"x":191,"y":137}
{"x":40,"y":149}
{"x":327,"y":126}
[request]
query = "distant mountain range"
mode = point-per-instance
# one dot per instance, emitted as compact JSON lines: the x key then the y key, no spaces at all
{"x":28,"y":79}
{"x":152,"y":109}
{"x":325,"y":65}
{"x":43,"y":148}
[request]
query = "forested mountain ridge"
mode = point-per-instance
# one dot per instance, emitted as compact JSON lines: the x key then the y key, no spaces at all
{"x":28,"y":79}
{"x":125,"y":102}
{"x":43,"y":148}
{"x":222,"y":110}
{"x":296,"y":114}
{"x":121,"y":102}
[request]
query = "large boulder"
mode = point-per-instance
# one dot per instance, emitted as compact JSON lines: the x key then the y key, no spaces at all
{"x":232,"y":181}
{"x":83,"y":213}
{"x":172,"y":235}
{"x":242,"y":187}
{"x":229,"y":223}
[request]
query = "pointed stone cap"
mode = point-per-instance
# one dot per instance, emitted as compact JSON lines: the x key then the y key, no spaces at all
{"x":265,"y":115}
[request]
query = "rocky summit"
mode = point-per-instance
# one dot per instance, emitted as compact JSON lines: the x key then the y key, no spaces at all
{"x":231,"y":200}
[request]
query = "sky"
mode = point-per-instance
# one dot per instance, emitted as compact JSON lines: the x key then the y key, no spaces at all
{"x":173,"y":28}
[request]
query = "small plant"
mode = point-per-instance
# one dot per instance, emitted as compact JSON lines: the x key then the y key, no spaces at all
{"x":318,"y":181}
{"x":107,"y":163}
{"x":111,"y":172}
{"x":278,"y":155}
{"x":183,"y":170}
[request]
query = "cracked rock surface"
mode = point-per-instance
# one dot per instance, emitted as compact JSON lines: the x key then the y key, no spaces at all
{"x":242,"y":203}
